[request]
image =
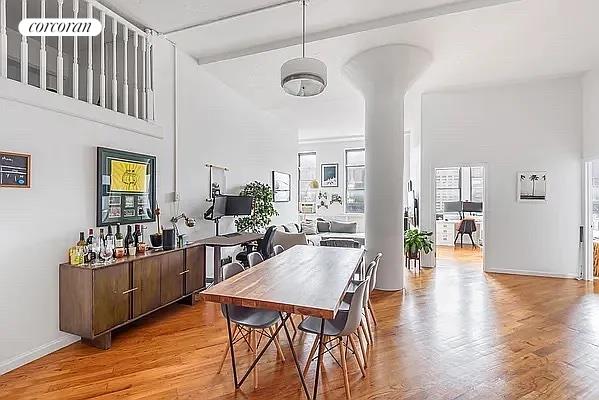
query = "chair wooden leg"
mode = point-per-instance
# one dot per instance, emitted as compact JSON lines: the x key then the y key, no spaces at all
{"x":255,"y":355}
{"x":372,"y":312}
{"x":369,"y":327}
{"x":363,"y":348}
{"x":222,"y":361}
{"x":277,"y":344}
{"x":363,"y":327}
{"x":312,"y":351}
{"x":344,"y":366}
{"x":358,"y":356}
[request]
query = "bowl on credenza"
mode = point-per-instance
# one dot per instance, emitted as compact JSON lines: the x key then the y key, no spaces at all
{"x":156,"y":240}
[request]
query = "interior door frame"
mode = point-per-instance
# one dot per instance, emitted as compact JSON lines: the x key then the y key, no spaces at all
{"x":433,"y":209}
{"x":587,"y":221}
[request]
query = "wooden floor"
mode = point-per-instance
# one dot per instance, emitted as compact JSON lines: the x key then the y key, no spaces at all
{"x":454,"y":333}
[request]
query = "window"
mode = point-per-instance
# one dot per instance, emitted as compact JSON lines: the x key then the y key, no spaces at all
{"x":448,"y":182}
{"x":477,"y":177}
{"x":355,"y":172}
{"x":306,"y":173}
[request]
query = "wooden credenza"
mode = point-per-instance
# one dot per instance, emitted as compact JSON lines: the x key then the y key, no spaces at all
{"x":96,"y":300}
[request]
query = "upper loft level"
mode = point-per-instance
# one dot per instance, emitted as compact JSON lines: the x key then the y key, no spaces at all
{"x":113,"y":70}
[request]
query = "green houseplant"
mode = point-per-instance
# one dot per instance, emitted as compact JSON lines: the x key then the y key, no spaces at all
{"x":262,"y":210}
{"x":416,"y":241}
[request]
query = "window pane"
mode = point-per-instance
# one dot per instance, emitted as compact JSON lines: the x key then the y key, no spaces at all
{"x":444,"y":195}
{"x":448,"y":178}
{"x":307,"y":173}
{"x":355,"y":177}
{"x":307,"y":160}
{"x":355,"y":201}
{"x":306,"y":194}
{"x":355,"y":157}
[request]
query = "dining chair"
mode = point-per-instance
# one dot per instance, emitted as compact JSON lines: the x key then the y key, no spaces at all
{"x":254,"y":258}
{"x":248,"y":322}
{"x":278,"y":249}
{"x":338,"y":331}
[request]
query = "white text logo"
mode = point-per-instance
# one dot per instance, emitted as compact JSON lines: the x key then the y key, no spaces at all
{"x":60,"y":27}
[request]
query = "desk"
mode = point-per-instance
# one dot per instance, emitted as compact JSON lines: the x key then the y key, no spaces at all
{"x":306,"y":280}
{"x":217,"y":242}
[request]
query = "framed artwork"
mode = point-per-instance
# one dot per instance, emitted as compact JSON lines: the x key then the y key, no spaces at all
{"x":532,"y":186}
{"x":218,"y":181}
{"x":307,"y":208}
{"x":15,"y":170}
{"x":329,"y":175}
{"x":126,"y":187}
{"x":281,"y":187}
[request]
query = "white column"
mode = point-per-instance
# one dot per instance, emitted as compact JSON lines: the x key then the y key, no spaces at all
{"x":59,"y":57}
{"x":75,"y":54}
{"x":383,"y":75}
{"x":135,"y":79}
{"x":90,"y":59}
{"x":114,"y":82}
{"x":125,"y":71}
{"x":3,"y":41}
{"x":144,"y":94}
{"x":102,"y":61}
{"x":43,"y":50}
{"x":24,"y":48}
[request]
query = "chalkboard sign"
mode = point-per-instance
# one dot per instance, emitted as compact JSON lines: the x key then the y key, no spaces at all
{"x":15,"y":170}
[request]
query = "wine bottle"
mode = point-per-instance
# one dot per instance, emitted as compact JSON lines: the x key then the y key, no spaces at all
{"x":129,"y":241}
{"x":137,"y":235}
{"x":102,"y":237}
{"x":110,"y":237}
{"x":119,"y":246}
{"x":91,"y":256}
{"x":81,"y":247}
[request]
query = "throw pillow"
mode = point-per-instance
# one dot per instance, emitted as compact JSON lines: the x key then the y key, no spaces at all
{"x":310,"y":227}
{"x":323,"y":226}
{"x":291,"y":228}
{"x":344,"y":227}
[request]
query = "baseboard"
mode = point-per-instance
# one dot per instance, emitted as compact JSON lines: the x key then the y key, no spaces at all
{"x":39,"y":352}
{"x":529,"y":273}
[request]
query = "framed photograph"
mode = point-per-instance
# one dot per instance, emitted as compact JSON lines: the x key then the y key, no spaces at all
{"x":329,"y":175}
{"x":281,"y":187}
{"x":308,"y":208}
{"x":532,"y":186}
{"x":126,"y":184}
{"x":15,"y":170}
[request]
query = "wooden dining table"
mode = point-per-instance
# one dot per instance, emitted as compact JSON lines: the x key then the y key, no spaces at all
{"x":304,"y":280}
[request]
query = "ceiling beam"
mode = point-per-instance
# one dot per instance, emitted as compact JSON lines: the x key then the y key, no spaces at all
{"x":385,"y":22}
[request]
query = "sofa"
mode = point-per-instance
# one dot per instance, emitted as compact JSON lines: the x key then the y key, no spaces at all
{"x":319,"y":229}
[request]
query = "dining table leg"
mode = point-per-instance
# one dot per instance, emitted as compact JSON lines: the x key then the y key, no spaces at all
{"x":320,"y":352}
{"x":297,"y":365}
{"x":231,"y":347}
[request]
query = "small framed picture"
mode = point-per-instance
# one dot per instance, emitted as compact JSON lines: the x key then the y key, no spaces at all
{"x":281,"y":187}
{"x":329,"y":175}
{"x":114,"y":201}
{"x":532,"y":186}
{"x":129,"y":201}
{"x":308,"y":208}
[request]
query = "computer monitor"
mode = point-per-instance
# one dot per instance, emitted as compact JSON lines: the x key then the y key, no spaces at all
{"x":452,"y":206}
{"x":239,"y":205}
{"x":219,"y":207}
{"x":472,"y":207}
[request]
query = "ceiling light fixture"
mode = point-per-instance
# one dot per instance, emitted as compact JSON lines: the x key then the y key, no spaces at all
{"x":304,"y":76}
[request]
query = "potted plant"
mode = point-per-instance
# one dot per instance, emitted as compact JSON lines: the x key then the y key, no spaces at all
{"x":416,"y":241}
{"x":262,"y":209}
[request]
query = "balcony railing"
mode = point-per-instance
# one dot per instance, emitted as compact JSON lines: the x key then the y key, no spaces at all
{"x":113,"y":70}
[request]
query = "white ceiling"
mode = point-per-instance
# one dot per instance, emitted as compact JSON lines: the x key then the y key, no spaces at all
{"x":515,"y":41}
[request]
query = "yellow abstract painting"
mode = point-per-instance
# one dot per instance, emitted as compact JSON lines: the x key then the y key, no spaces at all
{"x":126,"y":176}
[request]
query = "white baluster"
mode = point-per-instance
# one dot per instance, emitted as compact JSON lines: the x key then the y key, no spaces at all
{"x":102,"y":62}
{"x":114,"y":83}
{"x":150,"y":76}
{"x":135,"y":85}
{"x":125,"y":71}
{"x":3,"y":41}
{"x":90,"y":58}
{"x":59,"y":58}
{"x":43,"y":50}
{"x":24,"y":48}
{"x":144,"y":95}
{"x":75,"y":55}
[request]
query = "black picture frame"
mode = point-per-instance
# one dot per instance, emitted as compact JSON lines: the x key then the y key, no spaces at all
{"x":279,"y":181}
{"x":128,"y":201}
{"x":325,"y":179}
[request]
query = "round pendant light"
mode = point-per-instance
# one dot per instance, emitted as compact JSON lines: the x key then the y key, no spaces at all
{"x":304,"y":76}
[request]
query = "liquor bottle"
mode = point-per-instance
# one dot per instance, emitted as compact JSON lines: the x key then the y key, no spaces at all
{"x":137,"y":235}
{"x":119,"y":245}
{"x":102,"y":237}
{"x":76,"y":251}
{"x":109,"y":238}
{"x":129,"y":242}
{"x":89,"y":244}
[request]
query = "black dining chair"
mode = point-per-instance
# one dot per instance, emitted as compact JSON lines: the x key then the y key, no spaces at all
{"x":467,"y":227}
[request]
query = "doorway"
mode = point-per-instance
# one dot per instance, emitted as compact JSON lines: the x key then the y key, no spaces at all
{"x":590,"y":250}
{"x":459,"y":214}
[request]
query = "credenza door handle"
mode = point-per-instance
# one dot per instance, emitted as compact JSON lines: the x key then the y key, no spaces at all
{"x":130,"y":290}
{"x":184,"y":272}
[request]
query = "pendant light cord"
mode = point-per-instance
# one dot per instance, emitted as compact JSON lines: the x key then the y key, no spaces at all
{"x":303,"y":28}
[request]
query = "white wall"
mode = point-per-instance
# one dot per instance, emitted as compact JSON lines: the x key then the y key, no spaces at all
{"x":39,"y":224}
{"x":590,"y":90}
{"x":331,"y":152}
{"x":532,"y":126}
